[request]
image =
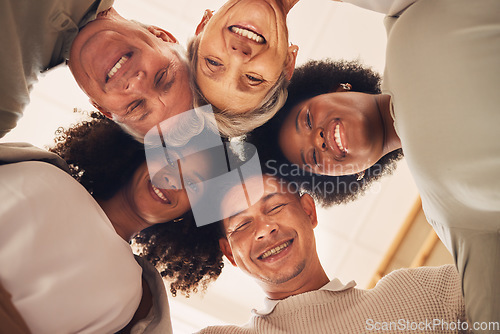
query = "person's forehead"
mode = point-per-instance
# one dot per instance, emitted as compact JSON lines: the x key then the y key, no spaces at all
{"x":237,"y":199}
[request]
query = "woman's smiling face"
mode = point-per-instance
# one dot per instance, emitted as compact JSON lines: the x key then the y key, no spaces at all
{"x":334,"y":134}
{"x":173,"y":189}
{"x":242,"y":52}
{"x":153,"y":204}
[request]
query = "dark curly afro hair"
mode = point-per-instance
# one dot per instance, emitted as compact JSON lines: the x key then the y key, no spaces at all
{"x":309,"y":80}
{"x":103,"y":158}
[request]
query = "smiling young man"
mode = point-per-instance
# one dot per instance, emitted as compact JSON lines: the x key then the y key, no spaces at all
{"x":132,"y":73}
{"x":273,"y":242}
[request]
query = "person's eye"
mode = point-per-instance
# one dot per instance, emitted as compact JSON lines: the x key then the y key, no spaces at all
{"x":254,"y":80}
{"x":161,"y":76}
{"x":276,"y":208}
{"x":243,"y":226}
{"x":315,"y":158}
{"x":212,"y":64}
{"x":164,"y":79}
{"x":312,"y":158}
{"x":134,"y":106}
{"x":308,"y":119}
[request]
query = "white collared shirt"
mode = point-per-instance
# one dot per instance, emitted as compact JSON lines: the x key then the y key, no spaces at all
{"x":334,"y":285}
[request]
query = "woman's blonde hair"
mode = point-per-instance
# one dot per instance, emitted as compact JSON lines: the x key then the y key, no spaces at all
{"x":229,"y":123}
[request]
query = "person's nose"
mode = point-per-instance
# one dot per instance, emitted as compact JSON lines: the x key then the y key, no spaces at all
{"x":240,"y":49}
{"x":170,"y":180}
{"x":265,"y":228}
{"x":136,"y":83}
{"x":319,"y":140}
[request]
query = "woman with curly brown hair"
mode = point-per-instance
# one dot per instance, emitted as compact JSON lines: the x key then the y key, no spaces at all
{"x":79,"y":244}
{"x":104,"y":159}
{"x":316,"y":163}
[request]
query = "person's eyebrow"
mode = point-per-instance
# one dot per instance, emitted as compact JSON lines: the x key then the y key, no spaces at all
{"x":263,"y":200}
{"x":297,"y":121}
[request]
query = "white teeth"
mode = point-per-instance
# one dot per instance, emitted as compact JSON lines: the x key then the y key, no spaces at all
{"x":159,"y":193}
{"x":248,"y":34}
{"x":337,"y":138}
{"x":275,"y":250}
{"x":117,"y":66}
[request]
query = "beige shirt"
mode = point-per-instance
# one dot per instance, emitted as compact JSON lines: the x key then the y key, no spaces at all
{"x":402,"y":300}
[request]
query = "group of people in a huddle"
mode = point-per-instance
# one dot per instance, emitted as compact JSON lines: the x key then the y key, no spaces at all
{"x":149,"y":190}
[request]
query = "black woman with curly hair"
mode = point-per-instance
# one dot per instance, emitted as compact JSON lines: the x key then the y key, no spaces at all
{"x":323,"y":139}
{"x":78,"y":267}
{"x":111,"y":165}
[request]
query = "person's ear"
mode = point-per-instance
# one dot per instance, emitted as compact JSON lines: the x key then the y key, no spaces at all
{"x":110,"y":13}
{"x":162,"y":34}
{"x":204,"y":20}
{"x":291,"y":58}
{"x":101,"y":109}
{"x":226,"y":250}
{"x":342,"y":87}
{"x":309,"y":207}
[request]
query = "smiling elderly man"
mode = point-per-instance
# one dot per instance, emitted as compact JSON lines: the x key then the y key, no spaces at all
{"x":273,"y":242}
{"x":132,"y":73}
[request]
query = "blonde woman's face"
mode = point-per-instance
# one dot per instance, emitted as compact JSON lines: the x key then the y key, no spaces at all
{"x":242,"y":52}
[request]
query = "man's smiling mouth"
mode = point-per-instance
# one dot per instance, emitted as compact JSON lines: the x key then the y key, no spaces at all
{"x":117,"y":66}
{"x":275,"y":250}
